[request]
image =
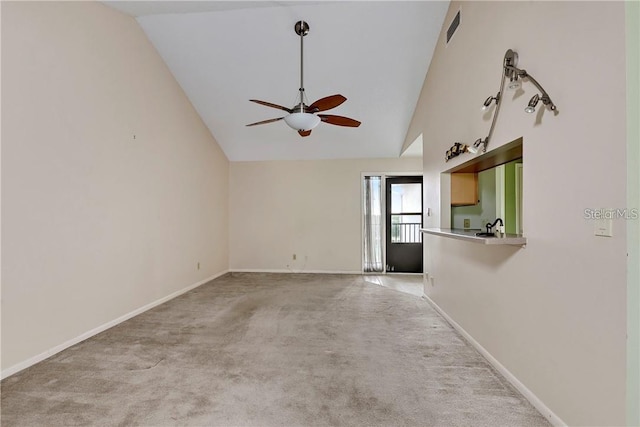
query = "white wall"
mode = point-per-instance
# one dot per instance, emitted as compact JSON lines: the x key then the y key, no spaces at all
{"x":553,"y":313}
{"x":310,"y":208}
{"x":97,"y":223}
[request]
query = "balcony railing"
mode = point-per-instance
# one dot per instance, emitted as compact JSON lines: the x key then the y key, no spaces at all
{"x":406,"y":232}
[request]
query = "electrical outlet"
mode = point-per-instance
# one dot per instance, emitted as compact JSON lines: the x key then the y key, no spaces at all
{"x":294,"y":257}
{"x":467,"y":223}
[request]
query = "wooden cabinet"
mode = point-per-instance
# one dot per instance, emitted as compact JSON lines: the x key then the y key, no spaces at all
{"x":464,"y":189}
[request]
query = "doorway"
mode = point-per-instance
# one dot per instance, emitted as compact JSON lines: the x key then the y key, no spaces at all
{"x":403,"y":223}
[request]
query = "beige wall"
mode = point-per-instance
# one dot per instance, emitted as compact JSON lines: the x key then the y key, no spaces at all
{"x":552,"y":313}
{"x":97,"y":223}
{"x":310,"y":208}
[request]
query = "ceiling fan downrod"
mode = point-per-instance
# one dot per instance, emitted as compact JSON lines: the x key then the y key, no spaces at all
{"x":302,"y":29}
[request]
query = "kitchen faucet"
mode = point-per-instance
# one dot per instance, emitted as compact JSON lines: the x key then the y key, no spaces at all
{"x":490,"y":226}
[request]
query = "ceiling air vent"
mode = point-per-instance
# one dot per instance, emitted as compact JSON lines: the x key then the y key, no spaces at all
{"x":453,"y":27}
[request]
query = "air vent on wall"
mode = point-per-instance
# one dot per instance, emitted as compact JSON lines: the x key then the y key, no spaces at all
{"x":453,"y":27}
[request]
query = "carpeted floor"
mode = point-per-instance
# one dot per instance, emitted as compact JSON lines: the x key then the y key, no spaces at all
{"x":272,"y":350}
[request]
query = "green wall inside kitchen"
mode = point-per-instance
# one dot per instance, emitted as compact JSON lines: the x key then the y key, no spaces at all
{"x":510,"y":196}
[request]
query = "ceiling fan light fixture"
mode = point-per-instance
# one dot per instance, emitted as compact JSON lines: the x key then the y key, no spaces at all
{"x":302,"y":121}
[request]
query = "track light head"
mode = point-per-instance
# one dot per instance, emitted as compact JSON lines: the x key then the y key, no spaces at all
{"x":487,"y":103}
{"x":547,"y":101}
{"x":531,"y":108}
{"x":475,"y":148}
{"x":514,"y":83}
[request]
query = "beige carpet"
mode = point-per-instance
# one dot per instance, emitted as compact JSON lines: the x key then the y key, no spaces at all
{"x":272,"y":350}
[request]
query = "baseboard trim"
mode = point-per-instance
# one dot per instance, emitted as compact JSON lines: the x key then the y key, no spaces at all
{"x":57,"y":349}
{"x":528,"y":394}
{"x":254,"y":270}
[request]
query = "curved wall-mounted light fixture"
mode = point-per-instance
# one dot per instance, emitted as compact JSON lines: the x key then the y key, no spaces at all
{"x":515,"y":76}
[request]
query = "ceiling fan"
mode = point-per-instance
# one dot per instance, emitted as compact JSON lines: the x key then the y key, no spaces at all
{"x":303,"y":117}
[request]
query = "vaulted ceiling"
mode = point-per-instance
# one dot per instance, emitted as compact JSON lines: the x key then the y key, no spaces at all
{"x":224,"y":53}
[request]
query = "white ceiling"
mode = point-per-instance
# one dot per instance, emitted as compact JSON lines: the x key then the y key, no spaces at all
{"x":224,"y":53}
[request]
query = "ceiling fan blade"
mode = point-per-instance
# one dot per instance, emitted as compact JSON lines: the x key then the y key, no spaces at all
{"x":326,"y":103}
{"x":304,"y":132}
{"x":266,"y":121}
{"x":339,"y":120}
{"x":269,"y":104}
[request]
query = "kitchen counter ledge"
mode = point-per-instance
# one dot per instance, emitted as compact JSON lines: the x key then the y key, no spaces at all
{"x":470,"y":236}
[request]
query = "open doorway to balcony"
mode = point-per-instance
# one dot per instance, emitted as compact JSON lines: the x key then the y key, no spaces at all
{"x":403,"y":222}
{"x":392,"y":218}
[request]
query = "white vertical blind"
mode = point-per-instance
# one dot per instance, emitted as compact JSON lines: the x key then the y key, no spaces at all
{"x":372,"y":224}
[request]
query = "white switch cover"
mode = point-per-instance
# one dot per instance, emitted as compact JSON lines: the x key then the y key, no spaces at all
{"x":604,"y":227}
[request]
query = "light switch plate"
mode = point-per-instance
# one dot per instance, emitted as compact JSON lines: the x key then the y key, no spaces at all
{"x":604,"y":227}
